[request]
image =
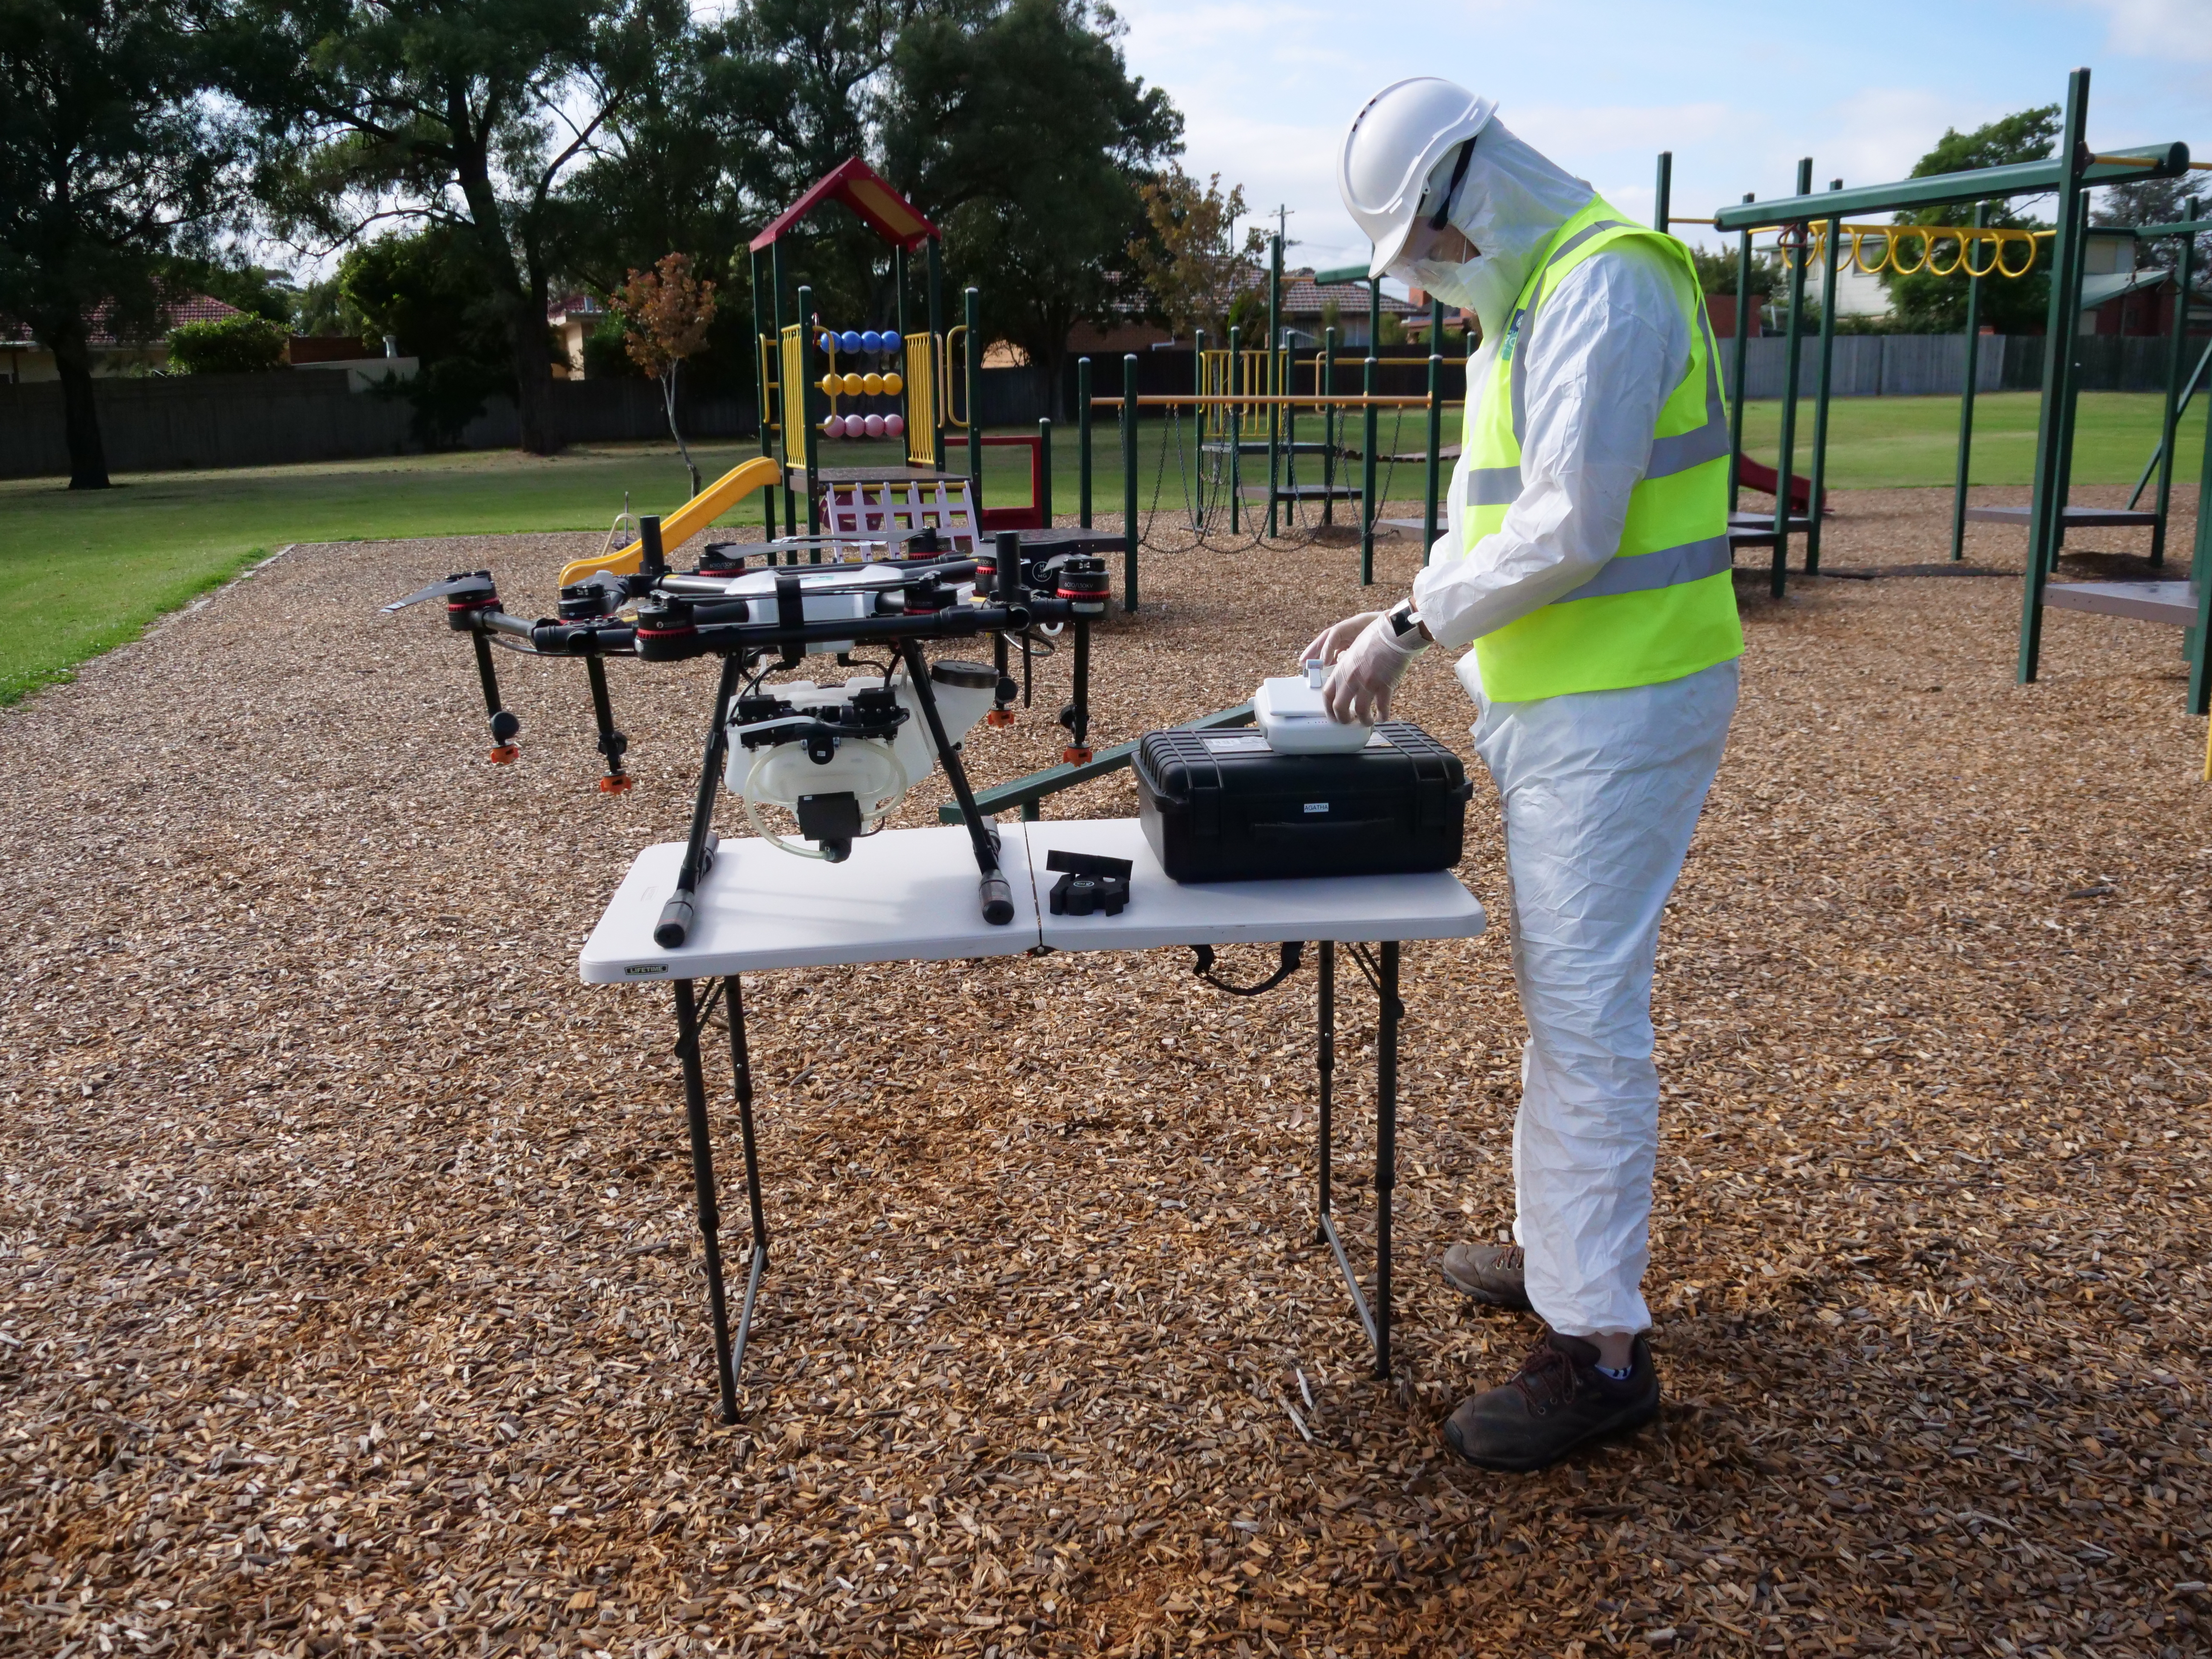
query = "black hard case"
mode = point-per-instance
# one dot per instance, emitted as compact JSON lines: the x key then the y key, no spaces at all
{"x":1222,"y":806}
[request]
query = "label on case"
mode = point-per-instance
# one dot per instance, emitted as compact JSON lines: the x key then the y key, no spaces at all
{"x":1245,"y":743}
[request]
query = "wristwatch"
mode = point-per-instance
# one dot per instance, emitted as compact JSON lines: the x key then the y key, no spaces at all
{"x":1405,"y":620}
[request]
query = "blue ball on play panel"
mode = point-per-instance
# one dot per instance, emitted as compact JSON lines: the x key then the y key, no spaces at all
{"x":870,"y":340}
{"x":849,"y":340}
{"x":829,"y":341}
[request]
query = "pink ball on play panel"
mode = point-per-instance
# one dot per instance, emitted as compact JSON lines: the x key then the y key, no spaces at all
{"x":854,"y":426}
{"x":875,"y":425}
{"x":894,"y":426}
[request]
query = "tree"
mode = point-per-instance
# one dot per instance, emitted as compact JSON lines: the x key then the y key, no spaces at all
{"x":1027,"y":139}
{"x":111,"y":165}
{"x":465,"y":114}
{"x":2157,"y":202}
{"x":666,"y":312}
{"x":1928,"y":304}
{"x":428,"y":292}
{"x":1188,"y":256}
{"x":242,"y":343}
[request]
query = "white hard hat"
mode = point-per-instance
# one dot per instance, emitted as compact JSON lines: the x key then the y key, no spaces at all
{"x":1394,"y":144}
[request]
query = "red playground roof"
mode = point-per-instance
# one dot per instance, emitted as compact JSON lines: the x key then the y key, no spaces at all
{"x":856,"y":183}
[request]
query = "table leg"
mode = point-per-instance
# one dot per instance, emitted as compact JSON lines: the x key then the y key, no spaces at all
{"x":702,"y":1186}
{"x":1386,"y":1148}
{"x":741,"y":1072}
{"x":1325,"y":1020}
{"x":1327,"y":1231}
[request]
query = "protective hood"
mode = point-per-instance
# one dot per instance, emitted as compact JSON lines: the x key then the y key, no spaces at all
{"x":1508,"y":205}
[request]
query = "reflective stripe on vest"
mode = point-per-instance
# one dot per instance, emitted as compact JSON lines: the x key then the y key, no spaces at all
{"x":1663,"y":606}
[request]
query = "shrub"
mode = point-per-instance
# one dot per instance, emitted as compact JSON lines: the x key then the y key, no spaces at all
{"x":240,"y":344}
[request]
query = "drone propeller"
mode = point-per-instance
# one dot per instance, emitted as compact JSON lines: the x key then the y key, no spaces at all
{"x":476,"y":583}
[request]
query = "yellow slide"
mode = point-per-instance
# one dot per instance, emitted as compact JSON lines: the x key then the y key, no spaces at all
{"x":688,"y":520}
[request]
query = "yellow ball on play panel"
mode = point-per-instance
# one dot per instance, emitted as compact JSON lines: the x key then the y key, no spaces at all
{"x":872,"y":384}
{"x":894,"y":383}
{"x":852,"y":385}
{"x":831,"y":385}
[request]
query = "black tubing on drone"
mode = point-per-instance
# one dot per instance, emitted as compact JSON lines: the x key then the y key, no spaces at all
{"x":998,"y":900}
{"x":675,"y":924}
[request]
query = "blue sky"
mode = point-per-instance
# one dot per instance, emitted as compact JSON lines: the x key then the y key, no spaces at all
{"x":1738,"y":92}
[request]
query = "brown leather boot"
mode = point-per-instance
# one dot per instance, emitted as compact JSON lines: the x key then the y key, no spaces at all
{"x":1558,"y":1400}
{"x":1488,"y":1272}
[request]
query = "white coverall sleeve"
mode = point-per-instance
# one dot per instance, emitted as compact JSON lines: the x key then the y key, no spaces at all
{"x":1608,"y":346}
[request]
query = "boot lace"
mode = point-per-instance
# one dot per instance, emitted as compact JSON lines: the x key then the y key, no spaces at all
{"x":1547,"y":1378}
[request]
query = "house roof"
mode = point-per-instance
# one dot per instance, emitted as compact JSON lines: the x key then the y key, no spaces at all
{"x":1304,"y":297}
{"x":193,"y":308}
{"x":2103,"y":290}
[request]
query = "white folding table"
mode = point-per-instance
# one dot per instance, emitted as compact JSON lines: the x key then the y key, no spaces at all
{"x":909,"y":895}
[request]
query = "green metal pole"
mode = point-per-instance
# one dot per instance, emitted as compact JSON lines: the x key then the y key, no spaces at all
{"x":2177,"y":354}
{"x":898,"y":290}
{"x":1370,"y":509}
{"x":1779,"y":581}
{"x":1742,"y":351}
{"x":2045,"y":499}
{"x":1818,"y":485}
{"x":1129,"y":482}
{"x":810,"y":393}
{"x":1235,"y":435}
{"x":1327,"y":426}
{"x":971,"y":301}
{"x":1044,"y":470}
{"x":2200,"y":576}
{"x":1966,"y":398}
{"x":1274,"y":360}
{"x":1664,"y":194}
{"x":761,"y":331}
{"x":2073,"y":400}
{"x":1083,"y":441}
{"x":1435,"y":432}
{"x":938,"y":365}
{"x":1198,"y":414}
{"x":775,"y":321}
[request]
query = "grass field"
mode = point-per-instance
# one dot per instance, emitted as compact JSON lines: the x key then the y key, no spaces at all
{"x":84,"y":573}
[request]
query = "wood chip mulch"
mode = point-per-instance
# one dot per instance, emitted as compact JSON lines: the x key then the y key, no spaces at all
{"x":350,"y":1300}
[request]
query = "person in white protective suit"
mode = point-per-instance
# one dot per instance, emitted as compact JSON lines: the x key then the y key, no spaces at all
{"x":1587,"y":562}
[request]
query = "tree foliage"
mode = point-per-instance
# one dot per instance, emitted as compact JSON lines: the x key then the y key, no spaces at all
{"x":666,"y":313}
{"x":1188,"y":256}
{"x":466,"y":114}
{"x":241,"y":343}
{"x":111,"y":164}
{"x":2158,"y":202}
{"x":428,"y":292}
{"x":1927,"y":304}
{"x":1027,"y":139}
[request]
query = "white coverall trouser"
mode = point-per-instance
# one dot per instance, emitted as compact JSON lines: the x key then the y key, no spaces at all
{"x":1601,"y":792}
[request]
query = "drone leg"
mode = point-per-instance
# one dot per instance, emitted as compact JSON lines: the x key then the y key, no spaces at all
{"x":1002,"y":699}
{"x":678,"y":915}
{"x":504,"y":724}
{"x":998,"y":896}
{"x":612,"y":742}
{"x":1076,"y":717}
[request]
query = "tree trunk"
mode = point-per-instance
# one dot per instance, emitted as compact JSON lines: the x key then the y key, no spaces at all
{"x":534,"y":376}
{"x":80,"y":416}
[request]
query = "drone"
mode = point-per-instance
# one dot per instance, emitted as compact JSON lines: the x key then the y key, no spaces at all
{"x":839,"y":757}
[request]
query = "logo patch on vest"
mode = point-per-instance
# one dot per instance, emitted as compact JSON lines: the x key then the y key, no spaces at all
{"x":1512,"y":335}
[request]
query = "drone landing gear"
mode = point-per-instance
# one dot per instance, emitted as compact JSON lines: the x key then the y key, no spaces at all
{"x":997,"y":896}
{"x":612,"y":744}
{"x":505,"y":722}
{"x":678,"y":915}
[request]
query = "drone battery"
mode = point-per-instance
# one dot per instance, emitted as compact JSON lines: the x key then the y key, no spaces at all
{"x":1223,"y":807}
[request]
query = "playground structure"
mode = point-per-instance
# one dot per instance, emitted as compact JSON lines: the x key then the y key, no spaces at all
{"x":2069,"y":174}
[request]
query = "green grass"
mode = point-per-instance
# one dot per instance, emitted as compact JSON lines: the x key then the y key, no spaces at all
{"x":1877,"y":442}
{"x":84,"y":573}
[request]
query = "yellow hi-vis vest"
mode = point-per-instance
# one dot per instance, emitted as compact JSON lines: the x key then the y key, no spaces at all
{"x":1664,"y":606}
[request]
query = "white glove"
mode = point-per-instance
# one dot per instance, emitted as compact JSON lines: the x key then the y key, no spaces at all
{"x":1336,"y":639}
{"x":1360,"y":686}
